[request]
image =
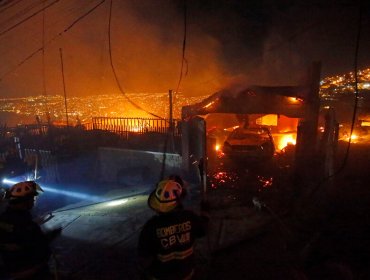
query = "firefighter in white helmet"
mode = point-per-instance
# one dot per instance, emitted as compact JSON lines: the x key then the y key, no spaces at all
{"x":166,"y":242}
{"x":24,"y":247}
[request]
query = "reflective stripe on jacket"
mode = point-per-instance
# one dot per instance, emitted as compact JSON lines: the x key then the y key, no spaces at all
{"x":177,"y":255}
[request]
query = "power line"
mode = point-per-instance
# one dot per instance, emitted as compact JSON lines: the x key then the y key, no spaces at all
{"x":345,"y":160}
{"x":51,"y":40}
{"x":355,"y":67}
{"x":21,"y":63}
{"x":10,"y":5}
{"x":43,"y":66}
{"x":22,"y":12}
{"x":170,"y":128}
{"x":32,"y":35}
{"x":27,"y":18}
{"x":114,"y":71}
{"x":183,"y":60}
{"x":84,"y":15}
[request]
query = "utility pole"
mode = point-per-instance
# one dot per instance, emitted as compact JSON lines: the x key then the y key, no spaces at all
{"x":64,"y":86}
{"x":171,"y":113}
{"x":171,"y":126}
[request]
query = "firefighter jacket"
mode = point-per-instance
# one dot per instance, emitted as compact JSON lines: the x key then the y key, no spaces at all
{"x":23,"y":246}
{"x":169,"y":240}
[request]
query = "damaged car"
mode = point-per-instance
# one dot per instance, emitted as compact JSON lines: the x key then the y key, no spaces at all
{"x":250,"y":144}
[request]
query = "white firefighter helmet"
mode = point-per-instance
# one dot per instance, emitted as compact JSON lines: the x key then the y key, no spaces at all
{"x":166,"y":196}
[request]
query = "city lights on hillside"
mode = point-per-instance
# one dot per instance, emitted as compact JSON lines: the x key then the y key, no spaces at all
{"x":83,"y":109}
{"x":345,"y":83}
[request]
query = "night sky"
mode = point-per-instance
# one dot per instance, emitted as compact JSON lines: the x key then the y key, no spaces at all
{"x":261,"y":42}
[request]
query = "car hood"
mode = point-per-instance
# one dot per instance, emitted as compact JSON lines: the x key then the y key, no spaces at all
{"x":245,"y":142}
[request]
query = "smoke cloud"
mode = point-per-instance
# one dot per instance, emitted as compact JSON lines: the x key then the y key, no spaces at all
{"x":262,"y":42}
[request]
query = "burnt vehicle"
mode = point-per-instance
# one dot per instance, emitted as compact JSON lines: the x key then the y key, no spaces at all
{"x":250,"y":144}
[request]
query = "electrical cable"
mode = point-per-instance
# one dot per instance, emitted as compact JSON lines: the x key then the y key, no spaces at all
{"x":22,"y":12}
{"x":20,"y":63}
{"x":114,"y":70}
{"x":353,"y":121}
{"x":183,"y":59}
{"x":355,"y":67}
{"x":84,"y":15}
{"x":345,"y":160}
{"x":65,"y":30}
{"x":32,"y":36}
{"x":51,"y":40}
{"x":357,"y":46}
{"x":27,"y":18}
{"x":170,"y":128}
{"x":57,"y":16}
{"x":10,"y":5}
{"x":43,"y":67}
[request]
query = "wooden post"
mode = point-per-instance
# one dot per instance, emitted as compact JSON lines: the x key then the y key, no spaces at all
{"x":170,"y":106}
{"x":170,"y":128}
{"x":306,"y":165}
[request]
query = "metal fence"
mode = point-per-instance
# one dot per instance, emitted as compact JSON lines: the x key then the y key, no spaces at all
{"x":123,"y":126}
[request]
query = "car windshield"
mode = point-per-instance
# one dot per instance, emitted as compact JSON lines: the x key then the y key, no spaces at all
{"x":256,"y":133}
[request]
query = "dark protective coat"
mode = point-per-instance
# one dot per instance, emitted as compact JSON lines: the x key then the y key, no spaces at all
{"x":169,"y":239}
{"x":23,"y":245}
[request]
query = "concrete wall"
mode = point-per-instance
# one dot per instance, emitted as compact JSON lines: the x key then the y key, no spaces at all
{"x":129,"y":167}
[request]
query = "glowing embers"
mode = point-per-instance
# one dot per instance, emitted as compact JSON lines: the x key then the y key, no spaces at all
{"x":266,"y":182}
{"x":223,"y":178}
{"x":294,"y":100}
{"x":209,"y":104}
{"x":220,"y":176}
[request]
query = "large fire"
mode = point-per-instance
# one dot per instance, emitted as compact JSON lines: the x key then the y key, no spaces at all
{"x":284,"y":140}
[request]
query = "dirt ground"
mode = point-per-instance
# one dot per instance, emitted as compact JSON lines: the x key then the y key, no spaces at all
{"x":324,"y":236}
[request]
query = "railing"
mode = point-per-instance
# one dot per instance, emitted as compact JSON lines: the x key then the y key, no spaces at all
{"x":123,"y":126}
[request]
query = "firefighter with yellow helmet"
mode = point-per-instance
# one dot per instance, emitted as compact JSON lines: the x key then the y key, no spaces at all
{"x":166,"y":242}
{"x":24,"y":247}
